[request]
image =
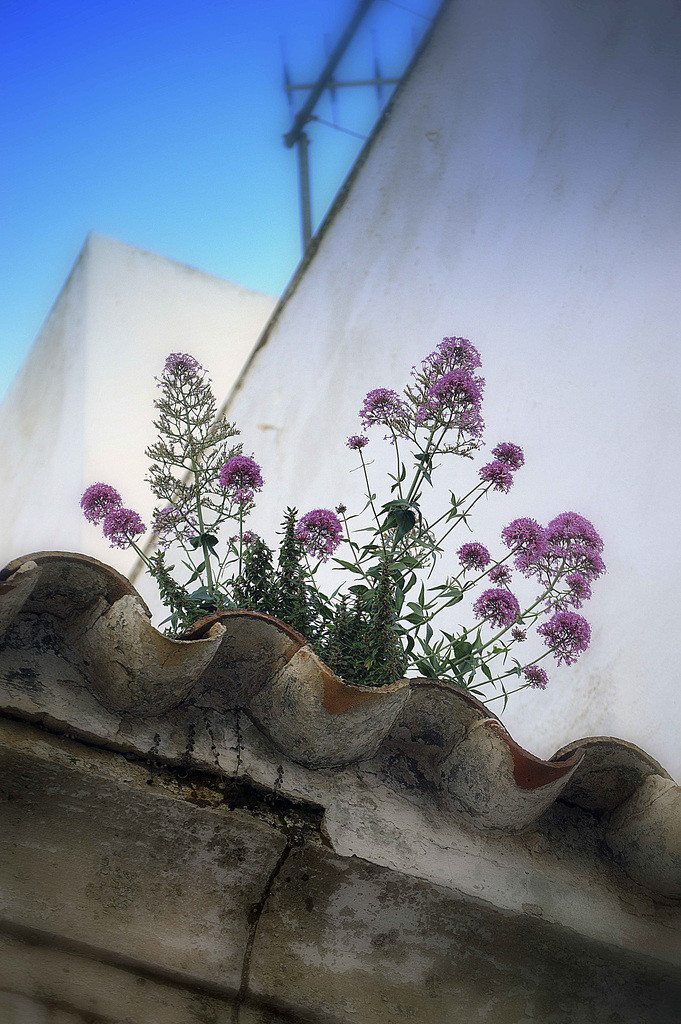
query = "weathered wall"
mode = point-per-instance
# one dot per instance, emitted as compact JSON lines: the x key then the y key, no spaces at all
{"x":41,"y":430}
{"x":81,"y":409}
{"x":132,"y":892}
{"x":225,"y":829}
{"x":523,"y":192}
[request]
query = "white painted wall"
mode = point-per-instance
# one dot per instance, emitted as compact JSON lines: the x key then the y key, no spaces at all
{"x":81,"y":409}
{"x":523,"y":192}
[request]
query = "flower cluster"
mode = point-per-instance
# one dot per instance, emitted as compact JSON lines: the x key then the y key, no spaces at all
{"x":509,"y":455}
{"x":498,"y":475}
{"x":566,"y":635}
{"x":98,"y":500}
{"x":508,"y":458}
{"x":101,"y":503}
{"x":182,"y":365}
{"x":454,"y":399}
{"x":474,"y":556}
{"x":450,"y":354}
{"x":573,"y":544}
{"x":500,"y":574}
{"x":383,"y":407}
{"x":498,"y":607}
{"x":535,"y":677}
{"x":240,"y":477}
{"x":121,"y":526}
{"x":445,"y":395}
{"x":320,"y":532}
{"x":527,"y":539}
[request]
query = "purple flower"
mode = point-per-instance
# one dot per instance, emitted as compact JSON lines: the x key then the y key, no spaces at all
{"x":579,"y":589}
{"x":510,"y":454}
{"x":320,"y":532}
{"x":240,"y":476}
{"x":457,"y":397}
{"x":536,"y":677}
{"x":474,"y":556}
{"x":518,"y":634}
{"x":528,"y":539}
{"x":341,"y":509}
{"x":451,"y":354}
{"x":498,"y":475}
{"x":182,"y":364}
{"x":382,"y":406}
{"x":357,"y":441}
{"x":588,"y":562}
{"x":569,"y":530}
{"x":567,"y":635}
{"x":498,"y":607}
{"x":573,"y":544}
{"x":98,"y":500}
{"x":121,"y":526}
{"x":455,"y":389}
{"x":500,"y":574}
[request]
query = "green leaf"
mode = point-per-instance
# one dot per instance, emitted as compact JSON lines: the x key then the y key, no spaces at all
{"x":197,"y":572}
{"x":402,"y":520}
{"x":426,"y":668}
{"x":346,"y":565}
{"x":486,"y":670}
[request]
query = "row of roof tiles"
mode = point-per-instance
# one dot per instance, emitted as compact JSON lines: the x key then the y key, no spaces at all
{"x":429,"y":730}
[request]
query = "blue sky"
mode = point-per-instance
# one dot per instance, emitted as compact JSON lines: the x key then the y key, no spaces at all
{"x":161,"y":124}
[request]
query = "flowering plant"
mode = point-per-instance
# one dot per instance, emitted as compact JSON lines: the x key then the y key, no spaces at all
{"x":379,"y":623}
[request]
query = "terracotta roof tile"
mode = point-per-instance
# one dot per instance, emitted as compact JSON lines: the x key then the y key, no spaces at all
{"x":437,"y":739}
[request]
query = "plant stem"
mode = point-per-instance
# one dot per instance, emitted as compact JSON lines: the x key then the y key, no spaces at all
{"x":371,"y":502}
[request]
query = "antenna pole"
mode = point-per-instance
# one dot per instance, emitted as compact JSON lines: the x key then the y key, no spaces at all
{"x":302,"y":144}
{"x":332,"y":63}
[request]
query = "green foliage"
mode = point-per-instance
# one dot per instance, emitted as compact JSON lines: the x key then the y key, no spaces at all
{"x":185,"y":609}
{"x":254,"y":589}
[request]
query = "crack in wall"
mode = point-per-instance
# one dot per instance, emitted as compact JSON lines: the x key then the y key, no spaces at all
{"x":255,"y":915}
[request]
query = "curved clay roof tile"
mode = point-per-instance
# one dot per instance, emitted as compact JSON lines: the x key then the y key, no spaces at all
{"x":433,"y":737}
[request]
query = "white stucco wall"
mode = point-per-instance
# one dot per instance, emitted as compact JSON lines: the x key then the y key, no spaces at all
{"x":81,"y":409}
{"x":42,"y":440}
{"x":523,"y":192}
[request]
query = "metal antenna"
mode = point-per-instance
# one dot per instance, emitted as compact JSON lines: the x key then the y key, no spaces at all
{"x":297,"y":136}
{"x":287,"y":77}
{"x":377,"y":70}
{"x":303,"y":143}
{"x":331,"y":86}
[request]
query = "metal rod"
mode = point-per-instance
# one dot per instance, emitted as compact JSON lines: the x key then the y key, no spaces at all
{"x":303,"y":143}
{"x":288,"y":87}
{"x":332,"y":63}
